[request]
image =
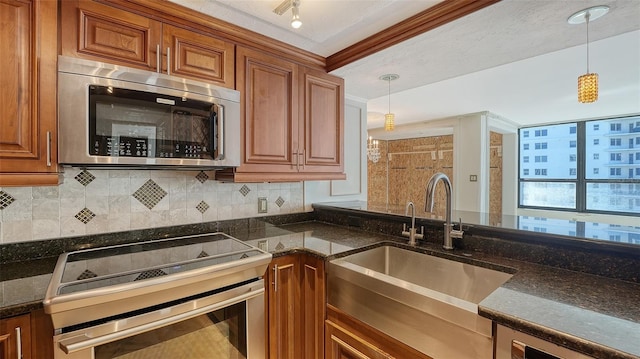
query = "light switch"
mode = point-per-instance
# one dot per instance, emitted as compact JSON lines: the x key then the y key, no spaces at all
{"x":262,"y":205}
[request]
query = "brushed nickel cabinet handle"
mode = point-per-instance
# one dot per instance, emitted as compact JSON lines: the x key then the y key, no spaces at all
{"x":48,"y":148}
{"x":158,"y":58}
{"x":18,"y":343}
{"x":168,"y":61}
{"x":275,"y":278}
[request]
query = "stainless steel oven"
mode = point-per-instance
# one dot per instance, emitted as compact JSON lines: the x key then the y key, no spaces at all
{"x":188,"y":297}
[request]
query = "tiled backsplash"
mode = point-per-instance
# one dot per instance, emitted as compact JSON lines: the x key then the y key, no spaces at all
{"x":103,"y":201}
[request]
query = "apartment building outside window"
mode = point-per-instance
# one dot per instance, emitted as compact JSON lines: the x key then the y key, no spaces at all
{"x":579,"y":157}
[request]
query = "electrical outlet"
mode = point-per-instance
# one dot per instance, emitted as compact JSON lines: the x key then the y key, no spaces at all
{"x":473,"y":178}
{"x":263,"y":245}
{"x":262,"y":205}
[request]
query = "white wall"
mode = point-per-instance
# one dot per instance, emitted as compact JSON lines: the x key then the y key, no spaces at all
{"x":355,"y":161}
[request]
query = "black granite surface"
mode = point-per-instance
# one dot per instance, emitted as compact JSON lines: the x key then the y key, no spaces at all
{"x":597,"y":315}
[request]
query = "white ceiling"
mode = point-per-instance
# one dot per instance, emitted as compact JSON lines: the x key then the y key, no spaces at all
{"x":517,"y":58}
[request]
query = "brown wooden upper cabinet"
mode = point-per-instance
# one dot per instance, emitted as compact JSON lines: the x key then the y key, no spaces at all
{"x":292,"y":121}
{"x":100,"y":32}
{"x":28,"y":102}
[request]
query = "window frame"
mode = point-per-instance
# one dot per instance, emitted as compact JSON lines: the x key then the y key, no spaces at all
{"x":581,"y":181}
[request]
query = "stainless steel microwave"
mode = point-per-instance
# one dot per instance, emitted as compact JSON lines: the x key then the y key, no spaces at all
{"x":114,"y":116}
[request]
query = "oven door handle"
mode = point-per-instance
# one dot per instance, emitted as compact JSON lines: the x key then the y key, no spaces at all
{"x":84,"y":341}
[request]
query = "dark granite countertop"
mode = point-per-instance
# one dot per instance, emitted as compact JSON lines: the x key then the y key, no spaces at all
{"x":591,"y":314}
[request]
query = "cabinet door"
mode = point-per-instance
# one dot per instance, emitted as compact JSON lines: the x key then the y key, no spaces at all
{"x":342,"y":344}
{"x":269,"y":113}
{"x":100,"y":32}
{"x":15,"y":337}
{"x":323,"y":114}
{"x":284,"y":308}
{"x":199,"y":57}
{"x":28,"y":93}
{"x":313,"y":306}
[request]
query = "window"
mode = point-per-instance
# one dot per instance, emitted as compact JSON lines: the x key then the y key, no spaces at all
{"x":577,"y":163}
{"x":525,"y":146}
{"x":525,"y":133}
{"x":525,"y":171}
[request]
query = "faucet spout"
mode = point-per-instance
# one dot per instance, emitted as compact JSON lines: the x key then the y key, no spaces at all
{"x":430,"y":199}
{"x":412,"y":232}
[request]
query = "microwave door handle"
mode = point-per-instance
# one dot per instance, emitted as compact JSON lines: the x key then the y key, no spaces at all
{"x":220,"y":120}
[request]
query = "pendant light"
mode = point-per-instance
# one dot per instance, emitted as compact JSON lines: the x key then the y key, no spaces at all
{"x":389,"y":118}
{"x":588,"y":83}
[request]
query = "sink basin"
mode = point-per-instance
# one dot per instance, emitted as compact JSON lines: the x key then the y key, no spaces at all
{"x":427,"y":302}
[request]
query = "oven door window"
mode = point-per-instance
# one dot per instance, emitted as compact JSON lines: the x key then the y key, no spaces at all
{"x":129,"y":123}
{"x":220,"y":334}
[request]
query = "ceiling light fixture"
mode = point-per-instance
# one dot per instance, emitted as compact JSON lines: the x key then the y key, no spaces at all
{"x":295,"y":10}
{"x":389,"y":118}
{"x":588,"y":83}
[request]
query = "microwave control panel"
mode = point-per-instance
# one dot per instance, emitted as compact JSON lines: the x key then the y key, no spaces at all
{"x":122,"y":146}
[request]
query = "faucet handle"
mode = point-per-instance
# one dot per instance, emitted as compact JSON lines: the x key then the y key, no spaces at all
{"x":421,"y":234}
{"x":457,"y":233}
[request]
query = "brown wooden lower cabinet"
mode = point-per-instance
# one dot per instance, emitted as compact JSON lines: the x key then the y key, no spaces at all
{"x":296,"y":302}
{"x":349,"y":338}
{"x":27,"y":336}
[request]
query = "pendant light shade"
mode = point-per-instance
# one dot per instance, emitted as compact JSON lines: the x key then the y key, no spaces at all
{"x":389,"y":118}
{"x":588,"y":83}
{"x":588,"y":88}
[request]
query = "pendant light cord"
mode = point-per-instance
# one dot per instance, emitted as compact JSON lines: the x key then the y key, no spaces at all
{"x":587,"y":15}
{"x":390,"y":93}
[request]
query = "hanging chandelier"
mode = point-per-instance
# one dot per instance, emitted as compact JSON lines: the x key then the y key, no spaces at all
{"x":588,"y":83}
{"x":373,"y":150}
{"x":389,"y":118}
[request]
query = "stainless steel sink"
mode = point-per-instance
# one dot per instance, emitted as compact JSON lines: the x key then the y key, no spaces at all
{"x":427,"y":302}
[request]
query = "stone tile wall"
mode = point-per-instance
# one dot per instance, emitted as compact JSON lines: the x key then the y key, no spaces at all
{"x":104,"y":201}
{"x":404,"y":169}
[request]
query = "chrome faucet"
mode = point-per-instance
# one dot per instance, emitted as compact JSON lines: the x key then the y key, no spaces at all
{"x":411,"y":233}
{"x":449,"y":232}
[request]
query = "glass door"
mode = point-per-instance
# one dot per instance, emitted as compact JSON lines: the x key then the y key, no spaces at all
{"x":221,"y":334}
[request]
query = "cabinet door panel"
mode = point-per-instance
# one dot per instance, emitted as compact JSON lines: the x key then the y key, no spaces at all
{"x":284,"y":309}
{"x":28,"y":99}
{"x":313,"y":294}
{"x":269,"y":111}
{"x":103,"y":33}
{"x":199,"y":57}
{"x":18,"y":137}
{"x":324,"y":119}
{"x":342,"y":344}
{"x":10,"y":328}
